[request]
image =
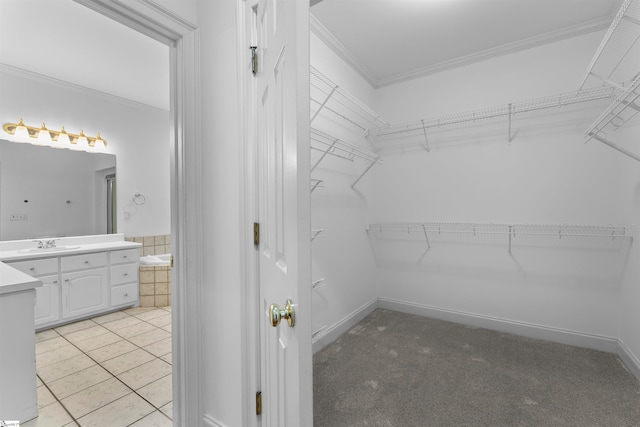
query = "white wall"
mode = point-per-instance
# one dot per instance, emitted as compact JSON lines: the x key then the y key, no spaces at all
{"x":344,"y":256}
{"x":137,"y":134}
{"x":546,"y":175}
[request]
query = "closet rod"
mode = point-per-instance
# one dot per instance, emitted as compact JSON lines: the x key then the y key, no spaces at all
{"x":508,"y":110}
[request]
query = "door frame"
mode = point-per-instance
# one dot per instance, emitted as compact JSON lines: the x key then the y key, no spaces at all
{"x":182,"y":37}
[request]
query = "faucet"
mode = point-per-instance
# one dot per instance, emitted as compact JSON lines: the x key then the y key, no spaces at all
{"x":50,"y":243}
{"x":40,"y":243}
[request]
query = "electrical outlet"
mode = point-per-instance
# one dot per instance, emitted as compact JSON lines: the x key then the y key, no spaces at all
{"x":18,"y":217}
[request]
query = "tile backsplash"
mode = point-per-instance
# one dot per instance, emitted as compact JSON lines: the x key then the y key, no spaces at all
{"x":153,"y":245}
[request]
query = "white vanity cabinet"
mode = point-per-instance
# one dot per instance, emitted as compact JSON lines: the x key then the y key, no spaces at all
{"x":47,"y":299}
{"x":88,"y":283}
{"x":85,"y":284}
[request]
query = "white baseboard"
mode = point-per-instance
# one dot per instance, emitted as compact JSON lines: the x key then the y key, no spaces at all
{"x":629,"y":359}
{"x":530,"y":330}
{"x":209,"y":421}
{"x":343,"y":325}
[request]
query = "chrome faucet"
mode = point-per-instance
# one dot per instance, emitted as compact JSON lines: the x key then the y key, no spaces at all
{"x":40,"y":244}
{"x":50,"y":243}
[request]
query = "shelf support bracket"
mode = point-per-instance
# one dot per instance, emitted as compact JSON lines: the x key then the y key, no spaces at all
{"x":510,"y":233}
{"x":510,"y":113}
{"x":323,"y":104}
{"x":426,"y":237}
{"x":331,"y":147}
{"x":615,"y":146}
{"x":426,"y":140}
{"x":364,"y":173}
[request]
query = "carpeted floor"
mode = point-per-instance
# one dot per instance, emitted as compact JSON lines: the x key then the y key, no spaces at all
{"x":400,"y":370}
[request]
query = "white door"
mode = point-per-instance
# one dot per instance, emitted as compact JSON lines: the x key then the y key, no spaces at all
{"x":282,"y":124}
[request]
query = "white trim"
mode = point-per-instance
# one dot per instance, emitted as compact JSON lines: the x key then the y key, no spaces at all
{"x":186,"y":215}
{"x":631,"y":361}
{"x":530,"y":330}
{"x":41,"y":78}
{"x":209,"y":421}
{"x":549,"y":37}
{"x":339,"y":49}
{"x":343,"y":325}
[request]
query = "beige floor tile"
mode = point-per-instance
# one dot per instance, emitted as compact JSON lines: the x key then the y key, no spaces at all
{"x":168,"y":358}
{"x":94,"y":331}
{"x":145,"y":374}
{"x":54,"y":356}
{"x":45,"y":397}
{"x":97,"y":342}
{"x":50,"y":344}
{"x":38,"y":381}
{"x":161,"y":321}
{"x":110,"y":351}
{"x":167,"y":328}
{"x":149,"y":337}
{"x":151,"y":314}
{"x":117,"y":315}
{"x":65,"y":367}
{"x":137,"y":329}
{"x":77,"y":326}
{"x":154,"y":419}
{"x":159,"y":348}
{"x":168,"y":308}
{"x":159,"y":392}
{"x":52,"y":415}
{"x":127,"y":361}
{"x":137,"y":310}
{"x":94,"y":397}
{"x":122,"y":412}
{"x":78,"y":381}
{"x":168,"y":409}
{"x":46,"y":335}
{"x":122,"y":323}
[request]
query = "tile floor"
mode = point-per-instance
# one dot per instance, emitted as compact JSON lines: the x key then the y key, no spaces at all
{"x":111,"y":370}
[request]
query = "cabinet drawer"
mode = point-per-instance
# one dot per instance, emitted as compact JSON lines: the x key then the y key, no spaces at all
{"x":36,"y":267}
{"x":124,"y":273}
{"x":124,"y":294}
{"x":126,"y":255}
{"x":80,"y":262}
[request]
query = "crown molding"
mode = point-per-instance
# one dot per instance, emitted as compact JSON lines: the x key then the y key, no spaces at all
{"x":530,"y":42}
{"x":339,"y":49}
{"x":42,"y":78}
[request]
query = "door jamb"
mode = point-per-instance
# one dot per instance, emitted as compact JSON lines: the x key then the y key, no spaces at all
{"x":182,"y":37}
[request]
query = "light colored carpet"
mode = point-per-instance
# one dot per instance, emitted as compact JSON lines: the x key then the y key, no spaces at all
{"x":399,"y":370}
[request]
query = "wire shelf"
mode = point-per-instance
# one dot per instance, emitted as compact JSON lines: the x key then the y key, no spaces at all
{"x":512,"y":231}
{"x":316,"y":183}
{"x":619,"y":50}
{"x":506,"y":110}
{"x":318,"y":234}
{"x":619,"y":111}
{"x":326,"y":95}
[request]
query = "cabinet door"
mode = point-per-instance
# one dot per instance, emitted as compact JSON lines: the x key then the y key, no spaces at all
{"x":47,"y":303}
{"x":84,"y":292}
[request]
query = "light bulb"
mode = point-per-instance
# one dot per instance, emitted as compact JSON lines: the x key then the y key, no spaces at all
{"x":21,"y":134}
{"x":99,"y":144}
{"x":81,"y":143}
{"x":44,"y":137}
{"x":63,"y":140}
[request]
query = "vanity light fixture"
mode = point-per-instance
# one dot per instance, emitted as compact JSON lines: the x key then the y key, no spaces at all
{"x":58,"y":139}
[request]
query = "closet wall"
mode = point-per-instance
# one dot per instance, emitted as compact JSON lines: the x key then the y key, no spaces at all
{"x":567,"y":289}
{"x":343,"y":257}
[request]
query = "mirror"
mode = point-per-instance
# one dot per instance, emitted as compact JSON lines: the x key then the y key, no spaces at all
{"x":51,"y":192}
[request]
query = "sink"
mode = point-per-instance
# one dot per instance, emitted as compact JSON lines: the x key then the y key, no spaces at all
{"x":45,"y":250}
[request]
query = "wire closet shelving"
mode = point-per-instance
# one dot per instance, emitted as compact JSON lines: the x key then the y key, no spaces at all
{"x":330,"y":145}
{"x":500,"y":111}
{"x":512,"y":231}
{"x":618,"y":54}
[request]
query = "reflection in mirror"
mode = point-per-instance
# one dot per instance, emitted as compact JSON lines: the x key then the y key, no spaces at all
{"x":51,"y":192}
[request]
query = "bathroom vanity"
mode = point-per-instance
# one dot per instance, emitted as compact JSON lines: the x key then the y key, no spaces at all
{"x":81,"y":276}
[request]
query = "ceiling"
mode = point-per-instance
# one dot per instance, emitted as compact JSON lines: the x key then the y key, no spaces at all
{"x":67,"y":41}
{"x":389,"y":41}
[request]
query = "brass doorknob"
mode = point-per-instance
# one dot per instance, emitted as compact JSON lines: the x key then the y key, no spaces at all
{"x":276,"y":314}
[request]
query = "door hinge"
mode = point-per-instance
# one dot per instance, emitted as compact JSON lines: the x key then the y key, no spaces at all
{"x":258,"y":402}
{"x":256,"y":234}
{"x":254,"y":59}
{"x":171,"y":261}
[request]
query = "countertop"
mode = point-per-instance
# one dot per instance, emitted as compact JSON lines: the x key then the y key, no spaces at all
{"x":12,"y":280}
{"x":21,"y":255}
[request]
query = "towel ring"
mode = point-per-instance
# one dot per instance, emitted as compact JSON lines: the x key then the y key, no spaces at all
{"x":139,"y":199}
